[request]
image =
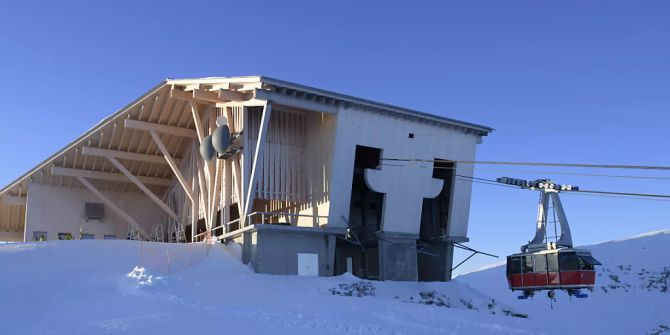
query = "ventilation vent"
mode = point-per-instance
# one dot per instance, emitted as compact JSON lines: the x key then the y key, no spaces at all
{"x":94,"y":211}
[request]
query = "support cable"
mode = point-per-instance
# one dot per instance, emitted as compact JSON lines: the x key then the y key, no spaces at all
{"x":573,"y":165}
{"x":645,"y":196}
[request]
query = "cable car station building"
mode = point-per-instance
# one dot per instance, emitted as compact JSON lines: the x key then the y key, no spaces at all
{"x":307,"y":182}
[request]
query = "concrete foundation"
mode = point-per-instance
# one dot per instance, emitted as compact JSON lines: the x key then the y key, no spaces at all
{"x":397,"y":256}
{"x":436,"y":263}
{"x":276,"y":249}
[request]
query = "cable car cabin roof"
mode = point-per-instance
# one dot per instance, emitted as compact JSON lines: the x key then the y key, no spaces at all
{"x":583,"y":254}
{"x":580,"y":252}
{"x":167,"y":106}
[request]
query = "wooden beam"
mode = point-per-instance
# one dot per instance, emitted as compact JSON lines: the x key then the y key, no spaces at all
{"x":199,"y":95}
{"x":226,"y":184}
{"x":197,"y":121}
{"x":161,"y":128}
{"x":206,"y":96}
{"x":209,"y":97}
{"x":245,"y":158}
{"x":234,"y":165}
{"x":214,"y":202}
{"x":109,"y":203}
{"x":181,"y":94}
{"x":212,"y":165}
{"x":204,"y":193}
{"x":153,"y":159}
{"x":228,"y":95}
{"x":237,"y":185}
{"x":144,"y":189}
{"x":13,"y":200}
{"x":173,"y":164}
{"x":260,"y":146}
{"x":202,"y":168}
{"x":67,"y":172}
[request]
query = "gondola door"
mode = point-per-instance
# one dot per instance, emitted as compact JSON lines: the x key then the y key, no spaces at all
{"x":553,"y":275}
{"x":540,"y":270}
{"x":528,"y":276}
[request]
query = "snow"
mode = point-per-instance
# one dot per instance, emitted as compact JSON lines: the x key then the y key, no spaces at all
{"x":123,"y":287}
{"x":129,"y":287}
{"x":631,"y":294}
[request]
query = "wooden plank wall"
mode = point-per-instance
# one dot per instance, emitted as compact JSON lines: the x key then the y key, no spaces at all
{"x":282,"y":165}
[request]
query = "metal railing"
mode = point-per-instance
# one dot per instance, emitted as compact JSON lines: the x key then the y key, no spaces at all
{"x":281,"y":218}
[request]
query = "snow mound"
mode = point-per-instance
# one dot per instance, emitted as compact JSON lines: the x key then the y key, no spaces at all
{"x":130,"y":287}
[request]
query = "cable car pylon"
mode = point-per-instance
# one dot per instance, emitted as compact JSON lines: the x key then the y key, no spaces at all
{"x":545,"y":265}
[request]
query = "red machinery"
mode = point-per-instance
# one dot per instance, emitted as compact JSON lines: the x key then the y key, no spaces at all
{"x":545,"y":265}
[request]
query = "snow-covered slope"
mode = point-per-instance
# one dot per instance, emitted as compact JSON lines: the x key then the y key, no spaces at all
{"x":127,"y":287}
{"x":631,"y":294}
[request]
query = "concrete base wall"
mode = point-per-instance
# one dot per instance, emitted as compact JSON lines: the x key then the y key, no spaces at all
{"x":274,"y":249}
{"x":397,"y":257}
{"x":436,"y":267}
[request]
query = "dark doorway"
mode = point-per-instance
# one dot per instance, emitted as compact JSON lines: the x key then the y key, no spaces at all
{"x":360,"y":254}
{"x":434,"y":251}
{"x":435,"y":212}
{"x":365,"y":208}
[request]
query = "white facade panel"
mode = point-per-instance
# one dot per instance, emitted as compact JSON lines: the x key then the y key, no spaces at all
{"x":54,"y":210}
{"x":407,"y":184}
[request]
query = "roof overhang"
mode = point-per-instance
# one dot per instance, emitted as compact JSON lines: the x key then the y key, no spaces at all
{"x":266,"y":88}
{"x":165,"y":106}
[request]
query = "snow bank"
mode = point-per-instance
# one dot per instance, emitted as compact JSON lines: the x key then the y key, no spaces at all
{"x":123,"y":287}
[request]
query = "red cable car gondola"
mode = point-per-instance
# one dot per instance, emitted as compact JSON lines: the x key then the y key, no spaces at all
{"x":547,"y":266}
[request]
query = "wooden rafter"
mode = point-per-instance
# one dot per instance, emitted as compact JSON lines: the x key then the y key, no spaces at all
{"x":197,"y":121}
{"x":161,"y":128}
{"x":153,"y":159}
{"x":109,"y":203}
{"x":233,"y":95}
{"x":210,"y":97}
{"x":173,"y":165}
{"x":109,"y":176}
{"x":144,"y":189}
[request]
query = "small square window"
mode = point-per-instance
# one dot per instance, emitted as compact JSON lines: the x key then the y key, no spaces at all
{"x":87,"y":236}
{"x":411,"y":135}
{"x":39,"y":236}
{"x":65,"y":236}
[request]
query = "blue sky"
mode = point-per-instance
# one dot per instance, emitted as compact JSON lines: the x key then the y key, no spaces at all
{"x":568,"y":81}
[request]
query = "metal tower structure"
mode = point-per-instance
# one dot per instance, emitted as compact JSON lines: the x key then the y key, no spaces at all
{"x":549,"y":200}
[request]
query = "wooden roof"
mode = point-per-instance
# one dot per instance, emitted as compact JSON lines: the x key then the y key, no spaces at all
{"x":166,"y":105}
